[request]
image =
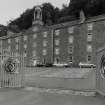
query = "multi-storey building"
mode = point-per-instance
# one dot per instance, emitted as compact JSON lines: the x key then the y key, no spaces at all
{"x":72,"y":42}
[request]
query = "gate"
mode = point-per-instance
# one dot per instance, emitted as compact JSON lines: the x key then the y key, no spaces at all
{"x":11,"y":70}
{"x":100,"y":71}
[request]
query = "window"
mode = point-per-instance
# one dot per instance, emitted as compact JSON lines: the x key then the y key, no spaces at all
{"x":89,"y":37}
{"x":44,"y":61}
{"x":90,"y":26}
{"x":25,"y":54}
{"x":17,"y":47}
{"x":0,"y":42}
{"x":35,"y":36}
{"x":44,"y":34}
{"x":34,"y":44}
{"x":25,"y":38}
{"x":16,"y":54}
{"x":71,"y":39}
{"x":57,"y":32}
{"x":25,"y":46}
{"x":89,"y":48}
{"x":9,"y":48}
{"x":57,"y":51}
{"x":70,"y":58}
{"x":89,"y":58}
{"x":17,"y":39}
{"x":57,"y":42}
{"x":44,"y":43}
{"x":70,"y":49}
{"x":44,"y":52}
{"x":57,"y":60}
{"x":34,"y":53}
{"x":70,"y":30}
{"x":9,"y":41}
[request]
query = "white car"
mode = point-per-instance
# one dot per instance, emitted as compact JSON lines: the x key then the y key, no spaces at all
{"x":60,"y":64}
{"x":86,"y":65}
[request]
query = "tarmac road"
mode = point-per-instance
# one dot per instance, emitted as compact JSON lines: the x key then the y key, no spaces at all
{"x":37,"y":97}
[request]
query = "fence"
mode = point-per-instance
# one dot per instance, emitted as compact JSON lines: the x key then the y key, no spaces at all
{"x":11,"y":70}
{"x":100,"y":71}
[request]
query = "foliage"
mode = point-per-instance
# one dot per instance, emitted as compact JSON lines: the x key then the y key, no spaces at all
{"x":48,"y":13}
{"x":3,"y":30}
{"x":53,"y":15}
{"x":23,"y":22}
{"x":90,"y":7}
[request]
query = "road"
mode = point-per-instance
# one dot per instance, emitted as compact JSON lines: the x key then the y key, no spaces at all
{"x":37,"y":97}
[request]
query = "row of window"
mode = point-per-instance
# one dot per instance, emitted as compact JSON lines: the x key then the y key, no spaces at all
{"x":71,"y":29}
{"x":34,"y":53}
{"x":45,"y":43}
{"x":70,"y":40}
{"x":44,"y":51}
{"x":57,"y":32}
{"x":57,"y":41}
{"x":25,"y":38}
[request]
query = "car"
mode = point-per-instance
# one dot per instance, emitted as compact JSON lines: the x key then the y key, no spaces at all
{"x":60,"y":64}
{"x":86,"y":65}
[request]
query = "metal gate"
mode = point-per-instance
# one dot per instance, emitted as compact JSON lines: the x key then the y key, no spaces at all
{"x":11,"y":70}
{"x":100,"y":71}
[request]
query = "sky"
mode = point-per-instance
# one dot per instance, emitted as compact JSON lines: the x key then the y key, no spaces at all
{"x":11,"y":9}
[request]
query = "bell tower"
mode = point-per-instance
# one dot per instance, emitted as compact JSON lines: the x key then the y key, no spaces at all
{"x":37,"y":16}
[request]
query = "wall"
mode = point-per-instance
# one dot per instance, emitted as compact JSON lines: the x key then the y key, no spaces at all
{"x":80,"y":31}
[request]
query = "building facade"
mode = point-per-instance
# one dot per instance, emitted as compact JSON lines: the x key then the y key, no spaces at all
{"x":72,"y":42}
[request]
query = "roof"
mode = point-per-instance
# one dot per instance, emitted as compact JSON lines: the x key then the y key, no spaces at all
{"x":57,"y":26}
{"x":77,"y":22}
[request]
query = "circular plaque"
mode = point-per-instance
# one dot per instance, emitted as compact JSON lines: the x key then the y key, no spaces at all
{"x":10,"y":65}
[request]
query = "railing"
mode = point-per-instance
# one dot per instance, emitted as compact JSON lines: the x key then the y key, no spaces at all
{"x":11,"y":70}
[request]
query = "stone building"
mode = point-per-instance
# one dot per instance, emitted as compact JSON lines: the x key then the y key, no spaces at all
{"x":72,"y":42}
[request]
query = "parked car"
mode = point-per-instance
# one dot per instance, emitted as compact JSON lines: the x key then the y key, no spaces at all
{"x":60,"y":64}
{"x":86,"y":65}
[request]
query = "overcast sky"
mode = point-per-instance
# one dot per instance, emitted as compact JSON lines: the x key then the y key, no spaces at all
{"x":11,"y":9}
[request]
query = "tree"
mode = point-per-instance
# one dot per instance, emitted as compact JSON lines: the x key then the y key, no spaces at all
{"x":53,"y":15}
{"x":75,"y":6}
{"x":90,"y":7}
{"x":24,"y":21}
{"x":48,"y":13}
